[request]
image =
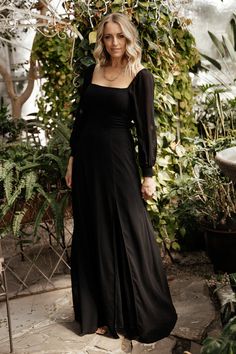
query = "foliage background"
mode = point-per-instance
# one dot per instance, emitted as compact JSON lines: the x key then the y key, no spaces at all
{"x":168,"y":52}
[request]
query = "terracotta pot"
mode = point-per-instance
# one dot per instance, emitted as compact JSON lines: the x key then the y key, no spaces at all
{"x":221,"y":249}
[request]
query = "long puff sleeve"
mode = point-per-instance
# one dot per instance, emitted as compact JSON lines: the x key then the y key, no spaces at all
{"x":78,"y":113}
{"x":143,"y":105}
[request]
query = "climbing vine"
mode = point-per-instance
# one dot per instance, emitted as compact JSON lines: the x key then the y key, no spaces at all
{"x":168,"y":52}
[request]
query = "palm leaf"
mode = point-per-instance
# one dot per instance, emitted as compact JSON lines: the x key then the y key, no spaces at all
{"x":219,"y":46}
{"x":229,"y":48}
{"x":233,"y":27}
{"x":212,"y":61}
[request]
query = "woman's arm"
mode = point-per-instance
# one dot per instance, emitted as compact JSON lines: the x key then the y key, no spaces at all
{"x":68,"y":176}
{"x":143,"y":95}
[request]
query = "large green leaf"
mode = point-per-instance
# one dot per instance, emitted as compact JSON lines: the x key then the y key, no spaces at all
{"x":229,"y":48}
{"x":212,"y":61}
{"x":219,"y":46}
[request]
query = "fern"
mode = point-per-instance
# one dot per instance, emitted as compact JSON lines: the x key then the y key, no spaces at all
{"x":39,"y":216}
{"x":14,"y":195}
{"x":30,"y":166}
{"x":53,"y":203}
{"x":8,"y":184}
{"x":30,"y":184}
{"x":16,"y":224}
{"x":6,"y":167}
{"x":58,"y":161}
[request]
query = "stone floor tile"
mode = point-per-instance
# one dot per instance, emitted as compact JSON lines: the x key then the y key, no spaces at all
{"x":194,"y":307}
{"x":163,"y":346}
{"x":106,"y":343}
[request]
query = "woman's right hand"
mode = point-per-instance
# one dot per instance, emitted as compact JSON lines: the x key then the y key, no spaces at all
{"x":68,"y":176}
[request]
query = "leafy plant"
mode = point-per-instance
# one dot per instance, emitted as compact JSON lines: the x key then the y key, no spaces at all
{"x":10,"y":129}
{"x":225,"y":344}
{"x":215,"y":112}
{"x":54,"y":57}
{"x":27,"y":192}
{"x":205,"y":194}
{"x":225,"y":59}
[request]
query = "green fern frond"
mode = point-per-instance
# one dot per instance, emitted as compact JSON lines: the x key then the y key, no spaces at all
{"x":16,"y":224}
{"x":6,"y":167}
{"x":30,"y":166}
{"x":8,"y":184}
{"x":39,"y":216}
{"x":30,"y":181}
{"x":17,"y":192}
{"x":56,"y":210}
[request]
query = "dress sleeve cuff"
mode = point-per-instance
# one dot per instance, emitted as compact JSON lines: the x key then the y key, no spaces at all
{"x":147,"y":171}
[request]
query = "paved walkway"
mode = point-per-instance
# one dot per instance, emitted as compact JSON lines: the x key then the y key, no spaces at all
{"x":43,"y":323}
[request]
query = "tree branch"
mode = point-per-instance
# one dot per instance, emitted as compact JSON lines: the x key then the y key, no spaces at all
{"x":30,"y":85}
{"x":8,"y":82}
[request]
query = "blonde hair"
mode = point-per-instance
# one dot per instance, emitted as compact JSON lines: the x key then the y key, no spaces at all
{"x":133,"y":49}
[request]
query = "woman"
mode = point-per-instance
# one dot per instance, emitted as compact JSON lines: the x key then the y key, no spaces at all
{"x":118,"y":282}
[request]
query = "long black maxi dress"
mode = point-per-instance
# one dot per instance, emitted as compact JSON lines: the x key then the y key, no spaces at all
{"x":117,"y":274}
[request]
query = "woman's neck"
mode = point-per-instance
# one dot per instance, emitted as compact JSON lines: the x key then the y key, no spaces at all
{"x":117,"y":63}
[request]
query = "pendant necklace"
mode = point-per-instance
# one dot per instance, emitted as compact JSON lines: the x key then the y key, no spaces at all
{"x":113,"y":79}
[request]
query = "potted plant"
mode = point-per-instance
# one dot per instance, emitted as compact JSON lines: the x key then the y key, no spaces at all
{"x":208,"y":197}
{"x":226,"y":343}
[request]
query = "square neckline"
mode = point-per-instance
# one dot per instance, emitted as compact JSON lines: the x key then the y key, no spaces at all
{"x":113,"y":87}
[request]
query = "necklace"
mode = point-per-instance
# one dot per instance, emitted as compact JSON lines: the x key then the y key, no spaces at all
{"x":114,"y":78}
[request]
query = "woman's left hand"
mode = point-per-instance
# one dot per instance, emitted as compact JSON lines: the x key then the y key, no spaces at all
{"x":148,"y":188}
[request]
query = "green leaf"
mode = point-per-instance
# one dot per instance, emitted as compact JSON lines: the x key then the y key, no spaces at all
{"x":39,"y":216}
{"x":212,"y":61}
{"x":217,"y":43}
{"x":30,"y":181}
{"x":180,"y":150}
{"x":229,"y":47}
{"x":16,"y":224}
{"x":92,"y":37}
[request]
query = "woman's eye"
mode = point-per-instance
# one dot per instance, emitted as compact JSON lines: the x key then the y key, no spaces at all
{"x":121,"y":36}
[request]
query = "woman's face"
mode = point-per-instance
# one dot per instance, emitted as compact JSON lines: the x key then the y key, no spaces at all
{"x":114,"y":40}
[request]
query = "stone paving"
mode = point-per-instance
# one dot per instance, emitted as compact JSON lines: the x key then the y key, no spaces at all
{"x":43,"y":323}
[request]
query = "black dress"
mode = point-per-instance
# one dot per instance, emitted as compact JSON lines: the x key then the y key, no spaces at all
{"x":117,"y":274}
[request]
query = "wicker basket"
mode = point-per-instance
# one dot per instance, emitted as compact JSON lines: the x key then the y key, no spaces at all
{"x":226,"y":159}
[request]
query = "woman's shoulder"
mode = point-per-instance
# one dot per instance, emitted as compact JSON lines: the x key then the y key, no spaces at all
{"x":143,"y":75}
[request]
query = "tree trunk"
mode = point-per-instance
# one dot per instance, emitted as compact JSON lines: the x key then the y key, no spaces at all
{"x":18,"y":101}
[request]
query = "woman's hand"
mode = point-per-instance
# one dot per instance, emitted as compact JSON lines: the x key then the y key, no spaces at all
{"x":68,"y":176}
{"x":148,"y":188}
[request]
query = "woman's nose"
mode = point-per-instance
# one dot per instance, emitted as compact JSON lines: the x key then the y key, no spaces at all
{"x":115,"y":41}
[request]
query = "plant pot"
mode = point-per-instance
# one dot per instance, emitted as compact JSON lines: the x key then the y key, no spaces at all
{"x":221,"y":249}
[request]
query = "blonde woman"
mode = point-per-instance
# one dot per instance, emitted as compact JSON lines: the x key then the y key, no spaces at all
{"x":118,"y":282}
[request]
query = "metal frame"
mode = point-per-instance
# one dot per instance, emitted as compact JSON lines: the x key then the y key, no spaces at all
{"x":4,"y":293}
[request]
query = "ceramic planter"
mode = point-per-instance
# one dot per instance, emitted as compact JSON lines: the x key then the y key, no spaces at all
{"x":221,"y":249}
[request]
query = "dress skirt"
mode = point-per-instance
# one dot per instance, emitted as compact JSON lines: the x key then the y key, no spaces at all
{"x":117,"y":275}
